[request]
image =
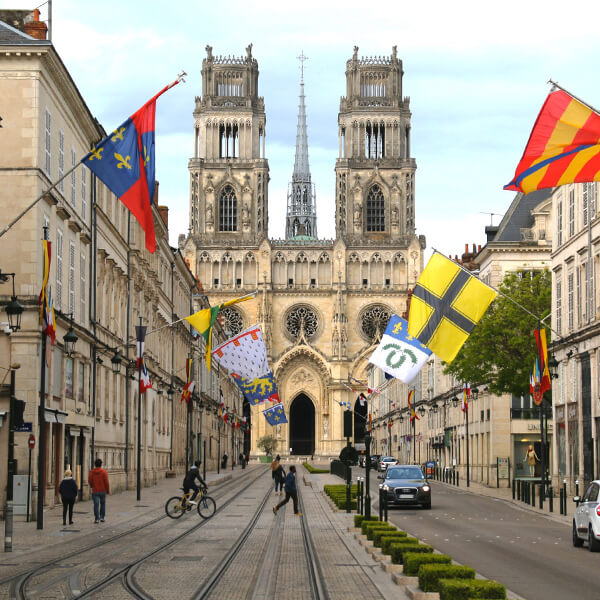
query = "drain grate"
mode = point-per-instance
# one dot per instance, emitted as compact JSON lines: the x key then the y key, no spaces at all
{"x":187,"y":558}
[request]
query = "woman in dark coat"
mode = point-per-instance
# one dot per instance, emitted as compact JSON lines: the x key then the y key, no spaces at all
{"x":68,"y":493}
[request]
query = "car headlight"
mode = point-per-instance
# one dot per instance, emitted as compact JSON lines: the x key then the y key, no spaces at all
{"x":385,"y":487}
{"x":425,"y":488}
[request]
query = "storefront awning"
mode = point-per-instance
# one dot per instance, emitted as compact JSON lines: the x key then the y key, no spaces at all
{"x":52,"y":415}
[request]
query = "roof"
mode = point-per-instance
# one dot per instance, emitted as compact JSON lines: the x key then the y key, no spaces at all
{"x":11,"y":36}
{"x":519,"y":216}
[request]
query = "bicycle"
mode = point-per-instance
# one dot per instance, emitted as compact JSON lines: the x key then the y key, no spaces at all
{"x":176,"y":506}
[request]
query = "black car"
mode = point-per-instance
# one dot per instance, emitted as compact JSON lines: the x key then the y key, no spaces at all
{"x":405,"y":485}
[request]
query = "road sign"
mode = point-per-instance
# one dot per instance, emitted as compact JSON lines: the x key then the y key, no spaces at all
{"x":32,"y":441}
{"x":429,"y":467}
{"x":25,"y":427}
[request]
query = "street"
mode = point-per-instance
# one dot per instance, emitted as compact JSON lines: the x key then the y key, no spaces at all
{"x":531,"y":555}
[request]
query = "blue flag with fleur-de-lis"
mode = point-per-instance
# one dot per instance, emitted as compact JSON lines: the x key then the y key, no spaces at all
{"x":124,"y":162}
{"x":275,"y":415}
{"x":399,"y":354}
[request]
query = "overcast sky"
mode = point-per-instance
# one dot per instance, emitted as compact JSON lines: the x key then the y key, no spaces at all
{"x":475,"y":72}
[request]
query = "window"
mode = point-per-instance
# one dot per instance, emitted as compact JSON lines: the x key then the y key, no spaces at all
{"x":83,"y":191}
{"x":80,"y":382}
{"x":589,"y":201}
{"x":375,"y":209}
{"x":558,"y":305}
{"x":68,"y":377}
{"x":228,"y":210}
{"x":589,"y":299}
{"x":559,"y":225}
{"x":59,"y":245}
{"x":570,"y":300}
{"x":578,"y":296}
{"x":571,"y":213}
{"x":72,"y":277}
{"x":57,"y":359}
{"x":584,"y":204}
{"x":82,"y":291}
{"x":47,"y":143}
{"x":73,"y":163}
{"x":61,"y":160}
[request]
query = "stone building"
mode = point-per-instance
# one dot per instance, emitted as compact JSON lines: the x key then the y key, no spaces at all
{"x":576,"y":333}
{"x":102,"y":280}
{"x":321,"y":304}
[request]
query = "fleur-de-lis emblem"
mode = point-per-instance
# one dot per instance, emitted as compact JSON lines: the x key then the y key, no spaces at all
{"x":146,"y":157}
{"x":393,"y":362}
{"x":118,"y":134}
{"x":96,"y":153}
{"x":123,"y":161}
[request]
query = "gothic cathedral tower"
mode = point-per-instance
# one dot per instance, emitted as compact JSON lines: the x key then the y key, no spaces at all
{"x":229,"y":172}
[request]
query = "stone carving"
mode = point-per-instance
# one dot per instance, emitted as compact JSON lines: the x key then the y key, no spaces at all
{"x":325,"y":426}
{"x":245,"y":215}
{"x":249,"y":52}
{"x":209,"y":54}
{"x":209,"y":214}
{"x":355,"y":55}
{"x":395,"y":215}
{"x":357,"y":213}
{"x":302,"y":376}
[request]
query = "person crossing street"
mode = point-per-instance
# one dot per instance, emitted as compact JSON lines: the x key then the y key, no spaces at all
{"x":291,"y":491}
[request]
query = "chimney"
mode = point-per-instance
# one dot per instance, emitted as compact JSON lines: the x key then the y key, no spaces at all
{"x":36,"y":29}
{"x":164,"y":213}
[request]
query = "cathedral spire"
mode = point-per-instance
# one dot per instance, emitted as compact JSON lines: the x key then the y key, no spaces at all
{"x":301,"y":217}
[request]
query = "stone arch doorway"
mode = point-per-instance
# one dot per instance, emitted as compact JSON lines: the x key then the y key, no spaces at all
{"x":360,"y":420}
{"x":302,"y":425}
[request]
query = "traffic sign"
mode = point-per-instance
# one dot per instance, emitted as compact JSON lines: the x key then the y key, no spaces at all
{"x":27,"y":426}
{"x":32,"y":441}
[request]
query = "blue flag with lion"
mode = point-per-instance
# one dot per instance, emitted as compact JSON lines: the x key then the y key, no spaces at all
{"x":258,"y":390}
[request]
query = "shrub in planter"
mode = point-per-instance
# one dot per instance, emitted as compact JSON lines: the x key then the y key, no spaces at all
{"x":378,"y":534}
{"x":467,"y":589}
{"x":342,"y":504}
{"x":398,"y":550}
{"x":386,"y":528}
{"x":397,"y":537}
{"x":430,"y":575}
{"x":312,"y":469}
{"x":365,"y":525}
{"x":412,"y":562}
{"x":358,"y":519}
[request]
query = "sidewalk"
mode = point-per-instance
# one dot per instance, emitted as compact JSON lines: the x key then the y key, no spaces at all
{"x":122,"y":510}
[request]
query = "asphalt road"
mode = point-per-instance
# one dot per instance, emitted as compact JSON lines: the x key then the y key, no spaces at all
{"x":530,"y":554}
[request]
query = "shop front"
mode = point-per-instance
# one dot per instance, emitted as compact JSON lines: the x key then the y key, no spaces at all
{"x":527,"y":449}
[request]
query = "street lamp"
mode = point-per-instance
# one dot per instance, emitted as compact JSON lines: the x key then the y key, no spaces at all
{"x":70,"y":338}
{"x":434,"y":408}
{"x":455,"y":401}
{"x":14,"y":309}
{"x":421,"y":410}
{"x":115,"y":362}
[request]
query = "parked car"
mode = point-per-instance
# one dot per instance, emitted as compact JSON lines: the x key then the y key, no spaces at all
{"x":586,"y":520}
{"x":385,"y":462}
{"x":375,"y":460}
{"x":406,"y":485}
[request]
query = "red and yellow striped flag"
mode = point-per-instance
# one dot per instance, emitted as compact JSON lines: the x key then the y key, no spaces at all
{"x":563,"y":147}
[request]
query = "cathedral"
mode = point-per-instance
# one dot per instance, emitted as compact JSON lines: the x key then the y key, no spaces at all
{"x":322,"y":304}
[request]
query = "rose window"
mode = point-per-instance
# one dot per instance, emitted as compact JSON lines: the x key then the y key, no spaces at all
{"x":373,"y":321}
{"x":301,"y":319}
{"x":232,"y":319}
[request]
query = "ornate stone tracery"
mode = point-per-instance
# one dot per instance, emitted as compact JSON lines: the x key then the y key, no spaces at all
{"x":373,"y":321}
{"x":301,"y":321}
{"x":233,"y":319}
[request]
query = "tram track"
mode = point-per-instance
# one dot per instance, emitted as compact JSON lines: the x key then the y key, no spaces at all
{"x":19,"y":583}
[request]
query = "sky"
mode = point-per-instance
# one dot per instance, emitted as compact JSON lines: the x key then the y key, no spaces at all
{"x":476,"y":74}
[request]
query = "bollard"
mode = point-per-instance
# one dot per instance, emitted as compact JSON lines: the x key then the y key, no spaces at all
{"x":380,"y":505}
{"x":518,"y":482}
{"x":457,"y":479}
{"x":541,"y":495}
{"x":532,"y":494}
{"x":385,"y":505}
{"x":8,"y":526}
{"x":362,"y":497}
{"x":564,"y":487}
{"x":551,"y":499}
{"x":513,"y":489}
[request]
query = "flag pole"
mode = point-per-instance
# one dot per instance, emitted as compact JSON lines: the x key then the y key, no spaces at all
{"x":560,"y":87}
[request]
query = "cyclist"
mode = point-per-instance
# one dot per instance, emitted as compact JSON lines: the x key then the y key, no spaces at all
{"x":189,"y":482}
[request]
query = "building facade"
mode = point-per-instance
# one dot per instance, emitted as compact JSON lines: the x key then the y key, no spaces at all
{"x":322,"y":304}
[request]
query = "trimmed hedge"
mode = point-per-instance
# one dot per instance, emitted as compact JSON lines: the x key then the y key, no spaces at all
{"x":358,"y":519}
{"x":398,"y":550}
{"x":430,"y":575}
{"x":384,"y":528}
{"x":366,"y":525}
{"x":312,"y":469}
{"x":337,"y":493}
{"x":412,"y":562}
{"x":398,"y":537}
{"x":467,"y":589}
{"x":378,"y":534}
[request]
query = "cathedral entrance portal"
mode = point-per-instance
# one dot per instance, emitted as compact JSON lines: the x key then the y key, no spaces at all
{"x":302,"y":425}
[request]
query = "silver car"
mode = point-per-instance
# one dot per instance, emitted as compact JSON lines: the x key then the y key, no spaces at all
{"x":586,"y":520}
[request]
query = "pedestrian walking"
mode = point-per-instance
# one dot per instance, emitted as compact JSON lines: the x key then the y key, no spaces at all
{"x":247,"y":458}
{"x":98,"y":480}
{"x":274,"y":467}
{"x":68,"y":494}
{"x":224,"y":461}
{"x":279,"y":478}
{"x":291,"y":491}
{"x":242,"y":460}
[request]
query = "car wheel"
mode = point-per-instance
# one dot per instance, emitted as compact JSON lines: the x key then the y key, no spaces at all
{"x":593,"y":543}
{"x":427,"y":505}
{"x":577,"y":541}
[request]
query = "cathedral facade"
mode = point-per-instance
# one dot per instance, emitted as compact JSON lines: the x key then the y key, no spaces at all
{"x":322,"y":304}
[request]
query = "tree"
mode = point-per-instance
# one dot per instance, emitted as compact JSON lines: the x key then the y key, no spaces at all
{"x":267,"y":444}
{"x":501,"y":350}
